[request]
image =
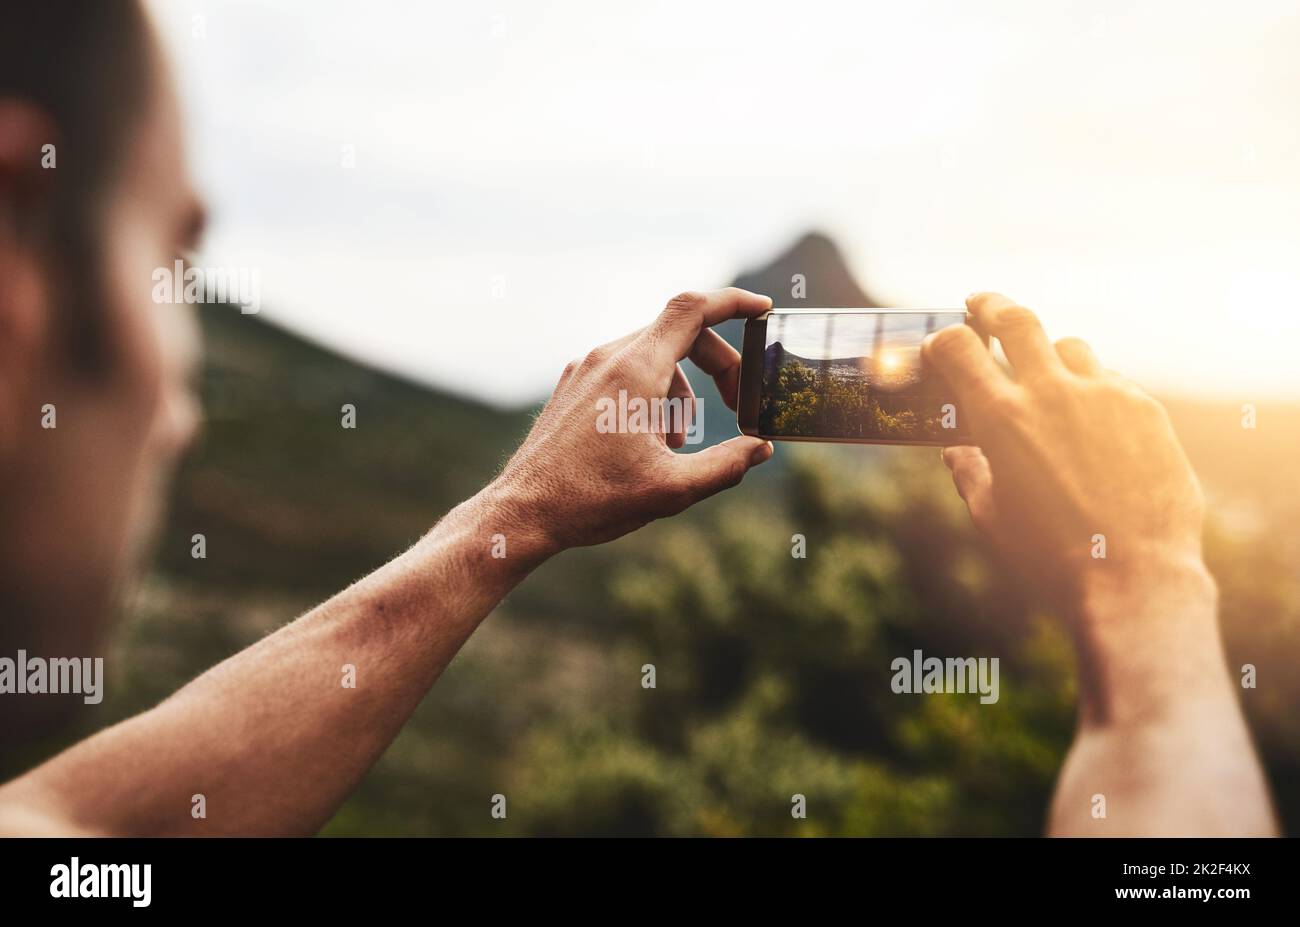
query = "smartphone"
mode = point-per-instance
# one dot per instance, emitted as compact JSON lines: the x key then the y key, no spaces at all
{"x":846,"y":375}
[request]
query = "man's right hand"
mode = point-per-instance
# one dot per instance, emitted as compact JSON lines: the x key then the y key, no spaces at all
{"x":1080,"y":484}
{"x":1078,"y":480}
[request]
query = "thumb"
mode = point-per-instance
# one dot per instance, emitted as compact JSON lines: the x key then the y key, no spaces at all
{"x":973,"y":478}
{"x":721,"y":466}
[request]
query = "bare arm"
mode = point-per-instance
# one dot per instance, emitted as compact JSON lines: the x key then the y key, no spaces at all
{"x":273,"y":739}
{"x":1080,"y":482}
{"x":1160,"y":734}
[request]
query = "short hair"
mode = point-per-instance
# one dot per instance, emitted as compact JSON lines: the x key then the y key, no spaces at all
{"x":86,"y":64}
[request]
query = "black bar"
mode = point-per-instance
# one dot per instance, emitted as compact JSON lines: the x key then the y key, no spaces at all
{"x":439,"y":878}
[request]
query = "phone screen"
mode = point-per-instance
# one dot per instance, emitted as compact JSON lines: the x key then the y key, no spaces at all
{"x":855,"y":376}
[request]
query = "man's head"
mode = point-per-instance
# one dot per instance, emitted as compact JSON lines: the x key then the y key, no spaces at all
{"x":93,"y":197}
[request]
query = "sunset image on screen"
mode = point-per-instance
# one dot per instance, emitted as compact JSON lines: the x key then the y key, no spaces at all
{"x":855,"y":376}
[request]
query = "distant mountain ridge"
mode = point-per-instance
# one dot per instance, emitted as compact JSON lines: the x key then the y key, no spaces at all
{"x":776,"y":348}
{"x":827,"y":282}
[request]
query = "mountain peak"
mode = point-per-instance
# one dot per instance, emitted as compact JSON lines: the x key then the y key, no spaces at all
{"x":828,"y":281}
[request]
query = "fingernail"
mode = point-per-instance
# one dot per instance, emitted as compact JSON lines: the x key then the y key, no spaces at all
{"x":761,"y":453}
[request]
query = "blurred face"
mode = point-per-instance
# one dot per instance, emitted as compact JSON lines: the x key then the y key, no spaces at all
{"x":155,"y":220}
{"x":82,"y":499}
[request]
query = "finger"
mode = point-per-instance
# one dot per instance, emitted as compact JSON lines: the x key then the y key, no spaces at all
{"x":678,"y":415}
{"x":714,"y":356}
{"x":960,"y":358}
{"x":719,"y":467}
{"x":688,"y":314}
{"x":597,"y":356}
{"x":1078,"y":357}
{"x":565,"y":375}
{"x":1017,"y":329}
{"x":618,"y":344}
{"x":972,"y":476}
{"x":594,"y":359}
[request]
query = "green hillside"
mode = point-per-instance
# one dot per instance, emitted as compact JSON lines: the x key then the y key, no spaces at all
{"x":277,"y":473}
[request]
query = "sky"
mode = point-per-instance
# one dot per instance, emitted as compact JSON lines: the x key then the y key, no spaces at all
{"x":471,"y":194}
{"x":852,"y":334}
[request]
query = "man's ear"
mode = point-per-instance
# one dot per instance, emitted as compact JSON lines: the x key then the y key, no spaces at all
{"x":25,"y":191}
